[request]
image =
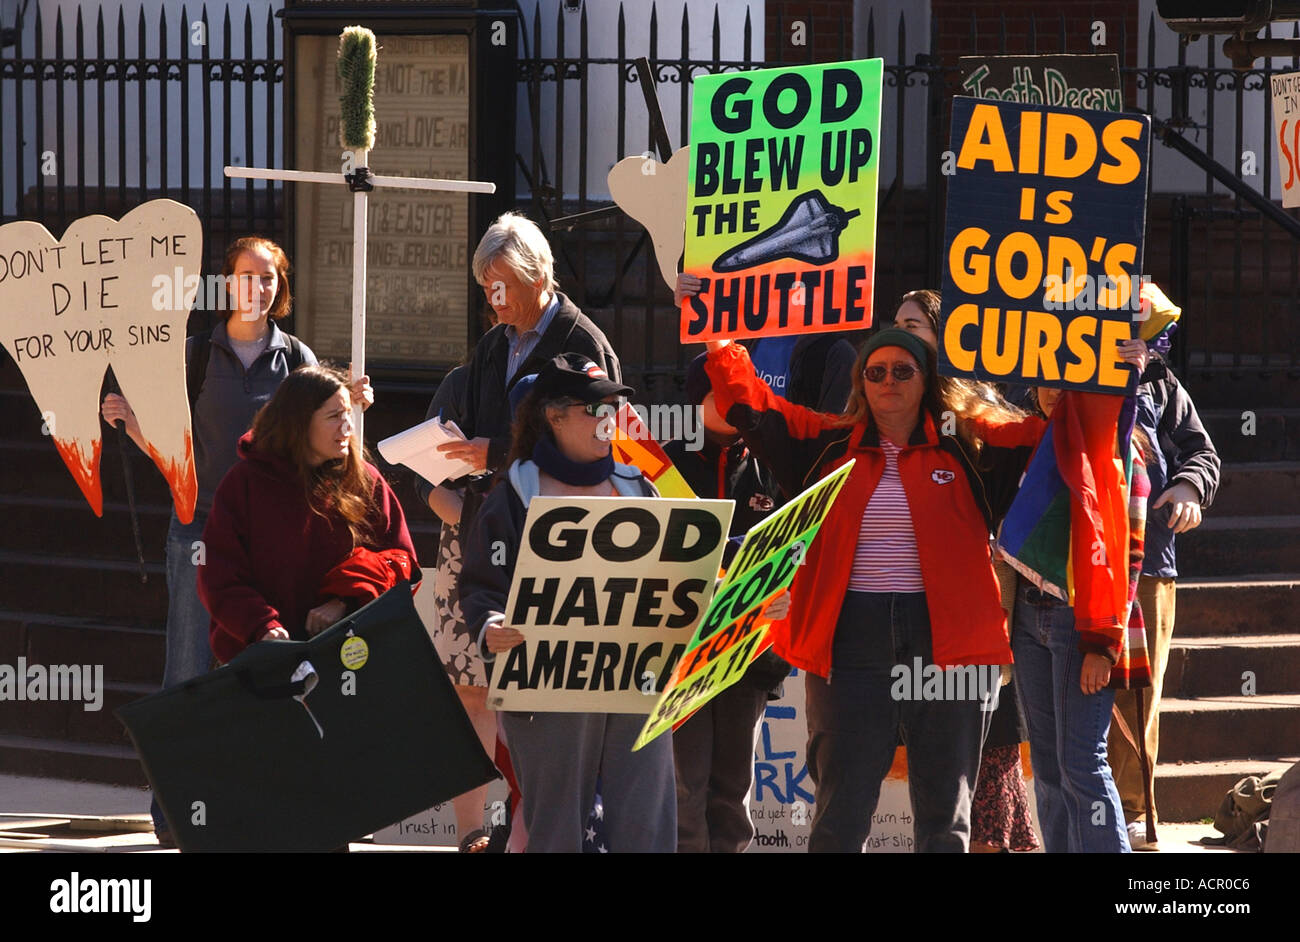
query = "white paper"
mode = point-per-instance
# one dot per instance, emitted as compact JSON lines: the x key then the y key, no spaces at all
{"x":417,"y":448}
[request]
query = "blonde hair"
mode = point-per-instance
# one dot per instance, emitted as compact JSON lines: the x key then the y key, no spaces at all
{"x":515,"y":241}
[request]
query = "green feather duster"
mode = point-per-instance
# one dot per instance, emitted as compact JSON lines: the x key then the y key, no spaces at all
{"x":357,"y":72}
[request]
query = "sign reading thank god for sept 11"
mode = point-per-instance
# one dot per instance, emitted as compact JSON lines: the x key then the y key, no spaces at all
{"x":781,"y":204}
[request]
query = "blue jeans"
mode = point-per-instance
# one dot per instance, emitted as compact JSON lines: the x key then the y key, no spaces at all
{"x":189,"y":654}
{"x":1078,"y":803}
{"x":855,"y":721}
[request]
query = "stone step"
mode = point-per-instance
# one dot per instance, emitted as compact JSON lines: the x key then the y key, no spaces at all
{"x":1190,"y":791}
{"x":1227,"y":665}
{"x":130,"y":654}
{"x":34,"y":468}
{"x":53,"y":758}
{"x":1222,"y":387}
{"x":1237,"y":605}
{"x":1253,"y":434}
{"x":84,"y":586}
{"x":1262,"y":488}
{"x":67,"y":525}
{"x":1229,"y":727}
{"x":84,"y":721}
{"x":1226,"y":546}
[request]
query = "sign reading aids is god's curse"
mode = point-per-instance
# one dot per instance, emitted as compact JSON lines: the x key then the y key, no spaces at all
{"x":781,"y":207}
{"x":108,"y":293}
{"x":1043,"y":244}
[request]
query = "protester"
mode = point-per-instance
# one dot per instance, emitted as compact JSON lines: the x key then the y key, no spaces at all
{"x":813,"y":370}
{"x":714,"y":749}
{"x":301,"y":509}
{"x":535,"y":322}
{"x":559,"y":447}
{"x":1067,"y":684}
{"x":905,"y":551}
{"x":1184,"y":478}
{"x":231,"y":372}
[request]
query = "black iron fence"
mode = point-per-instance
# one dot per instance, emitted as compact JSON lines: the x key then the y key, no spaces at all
{"x":96,"y":117}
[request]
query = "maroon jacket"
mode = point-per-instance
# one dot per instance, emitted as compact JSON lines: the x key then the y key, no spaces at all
{"x":267,"y":553}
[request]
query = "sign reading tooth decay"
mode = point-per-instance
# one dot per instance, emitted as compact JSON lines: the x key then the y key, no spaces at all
{"x":1043,"y":244}
{"x":781,"y":205}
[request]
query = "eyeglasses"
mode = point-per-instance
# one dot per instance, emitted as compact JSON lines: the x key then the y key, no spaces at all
{"x":901,"y":372}
{"x":597,"y":410}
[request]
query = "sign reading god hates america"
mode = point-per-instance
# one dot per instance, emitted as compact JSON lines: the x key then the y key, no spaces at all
{"x":1044,"y":238}
{"x":607,"y":594}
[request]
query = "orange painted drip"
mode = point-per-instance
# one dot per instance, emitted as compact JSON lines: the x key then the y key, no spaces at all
{"x":795,"y":322}
{"x":898,"y":771}
{"x":182,"y":479}
{"x":84,"y":471}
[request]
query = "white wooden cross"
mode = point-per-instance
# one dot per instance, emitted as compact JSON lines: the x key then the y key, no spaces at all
{"x":359,"y":209}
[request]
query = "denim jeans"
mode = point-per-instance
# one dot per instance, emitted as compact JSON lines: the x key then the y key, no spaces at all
{"x":189,"y":654}
{"x":1078,"y":803}
{"x":855,"y":721}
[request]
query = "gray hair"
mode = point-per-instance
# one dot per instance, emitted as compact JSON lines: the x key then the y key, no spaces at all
{"x":515,"y":241}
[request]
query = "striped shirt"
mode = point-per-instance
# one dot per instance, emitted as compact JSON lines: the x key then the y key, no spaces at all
{"x":886,"y":559}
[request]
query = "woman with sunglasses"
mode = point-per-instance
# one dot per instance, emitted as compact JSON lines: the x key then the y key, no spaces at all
{"x":560,"y":446}
{"x":898,"y":579}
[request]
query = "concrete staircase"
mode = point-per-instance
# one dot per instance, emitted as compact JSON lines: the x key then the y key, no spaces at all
{"x":1231,"y":703}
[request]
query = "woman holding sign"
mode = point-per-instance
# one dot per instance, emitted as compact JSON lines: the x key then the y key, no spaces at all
{"x":898,"y":584}
{"x":561,"y":446}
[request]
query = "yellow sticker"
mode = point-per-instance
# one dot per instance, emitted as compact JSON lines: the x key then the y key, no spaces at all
{"x":355,"y":653}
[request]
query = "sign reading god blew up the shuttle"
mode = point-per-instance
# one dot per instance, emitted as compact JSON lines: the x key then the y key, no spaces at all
{"x":781,"y":200}
{"x":1043,"y":244}
{"x":733,"y":632}
{"x":607,"y":594}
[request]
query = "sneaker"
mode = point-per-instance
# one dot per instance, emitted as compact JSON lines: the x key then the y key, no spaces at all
{"x":1137,"y":837}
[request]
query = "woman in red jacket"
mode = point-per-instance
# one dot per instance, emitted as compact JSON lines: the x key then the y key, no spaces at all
{"x":896,"y":612}
{"x":299,"y":503}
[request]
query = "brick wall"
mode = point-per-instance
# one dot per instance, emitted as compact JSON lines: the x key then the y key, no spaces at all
{"x":828,"y":30}
{"x":953,"y":19}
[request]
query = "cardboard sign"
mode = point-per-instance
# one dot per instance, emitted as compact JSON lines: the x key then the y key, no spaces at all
{"x":108,"y":293}
{"x":633,"y":444}
{"x":1286,"y":126}
{"x":654,"y":194}
{"x":733,"y":632}
{"x":607,"y":593}
{"x":1043,"y":244}
{"x":781,"y":206}
{"x":1090,"y":82}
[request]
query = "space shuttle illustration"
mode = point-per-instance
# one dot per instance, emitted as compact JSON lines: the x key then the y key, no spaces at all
{"x":809,"y":231}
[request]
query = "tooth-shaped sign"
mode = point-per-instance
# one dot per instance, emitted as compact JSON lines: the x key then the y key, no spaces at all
{"x":654,"y":194}
{"x":110,"y":292}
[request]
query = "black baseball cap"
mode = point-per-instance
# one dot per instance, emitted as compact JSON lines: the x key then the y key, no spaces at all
{"x":575,"y":375}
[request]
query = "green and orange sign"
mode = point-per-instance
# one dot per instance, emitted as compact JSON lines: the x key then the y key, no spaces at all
{"x":781,"y":206}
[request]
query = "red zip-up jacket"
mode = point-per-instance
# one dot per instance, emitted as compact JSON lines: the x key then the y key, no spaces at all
{"x":267,"y":553}
{"x":951,"y":516}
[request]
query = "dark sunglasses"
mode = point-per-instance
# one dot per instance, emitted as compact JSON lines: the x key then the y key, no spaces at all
{"x":597,"y":410}
{"x":901,"y":372}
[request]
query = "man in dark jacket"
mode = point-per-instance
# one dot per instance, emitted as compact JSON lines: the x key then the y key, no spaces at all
{"x":535,"y":323}
{"x":1184,"y":479}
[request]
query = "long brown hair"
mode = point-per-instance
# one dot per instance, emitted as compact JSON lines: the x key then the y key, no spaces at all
{"x":943,"y":396}
{"x":341,"y":487}
{"x":282,"y":304}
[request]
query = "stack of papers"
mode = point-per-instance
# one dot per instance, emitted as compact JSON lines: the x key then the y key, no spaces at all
{"x":417,"y":448}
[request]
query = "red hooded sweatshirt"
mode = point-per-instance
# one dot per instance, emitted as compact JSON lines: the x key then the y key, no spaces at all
{"x":267,"y":553}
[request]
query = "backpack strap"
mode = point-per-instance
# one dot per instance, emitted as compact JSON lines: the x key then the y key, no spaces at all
{"x":294,"y":357}
{"x":197,"y":368}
